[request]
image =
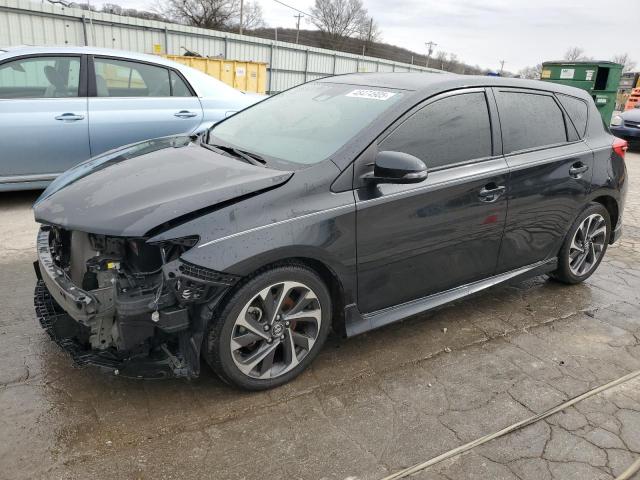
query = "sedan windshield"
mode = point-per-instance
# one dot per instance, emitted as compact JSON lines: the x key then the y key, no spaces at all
{"x":306,"y":124}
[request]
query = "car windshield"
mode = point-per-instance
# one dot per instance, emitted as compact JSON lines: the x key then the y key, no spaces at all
{"x":307,"y":124}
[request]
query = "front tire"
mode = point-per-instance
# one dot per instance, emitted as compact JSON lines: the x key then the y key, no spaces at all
{"x":270,"y":329}
{"x":584,"y":246}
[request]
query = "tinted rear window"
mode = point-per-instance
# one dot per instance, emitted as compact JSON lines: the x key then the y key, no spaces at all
{"x":449,"y":131}
{"x":577,"y":110}
{"x":529,"y":120}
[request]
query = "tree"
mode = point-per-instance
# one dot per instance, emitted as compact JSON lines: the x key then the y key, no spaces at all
{"x":574,"y":54}
{"x":115,"y":9}
{"x":441,"y":57}
{"x":453,"y":62}
{"x":112,"y":8}
{"x":369,"y":32}
{"x":623,"y":59}
{"x":251,"y":16}
{"x":214,"y":14}
{"x":340,"y":19}
{"x":65,"y":3}
{"x":532,"y":73}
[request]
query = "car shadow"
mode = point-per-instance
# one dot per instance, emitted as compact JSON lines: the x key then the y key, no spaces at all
{"x":22,"y":198}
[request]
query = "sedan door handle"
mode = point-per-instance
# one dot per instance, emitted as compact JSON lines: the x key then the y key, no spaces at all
{"x":69,"y":117}
{"x":577,"y":169}
{"x":185,"y":114}
{"x":491,"y":192}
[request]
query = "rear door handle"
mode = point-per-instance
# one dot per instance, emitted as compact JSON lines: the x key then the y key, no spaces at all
{"x":577,"y":169}
{"x":185,"y":114}
{"x":491,"y":192}
{"x":69,"y":117}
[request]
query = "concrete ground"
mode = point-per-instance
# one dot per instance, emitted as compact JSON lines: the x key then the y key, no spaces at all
{"x":367,"y":408}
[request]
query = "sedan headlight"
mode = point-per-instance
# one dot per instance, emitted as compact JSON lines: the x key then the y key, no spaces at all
{"x":616,"y":121}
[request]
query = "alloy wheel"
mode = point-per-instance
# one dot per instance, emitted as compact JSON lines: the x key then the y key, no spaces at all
{"x":587,"y":244}
{"x":276,"y":330}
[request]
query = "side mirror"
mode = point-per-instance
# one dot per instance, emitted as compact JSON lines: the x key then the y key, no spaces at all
{"x":397,"y":167}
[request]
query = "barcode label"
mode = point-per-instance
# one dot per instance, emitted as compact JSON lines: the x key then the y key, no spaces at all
{"x":371,"y":94}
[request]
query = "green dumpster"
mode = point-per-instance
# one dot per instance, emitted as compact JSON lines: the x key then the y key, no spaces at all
{"x":600,"y":79}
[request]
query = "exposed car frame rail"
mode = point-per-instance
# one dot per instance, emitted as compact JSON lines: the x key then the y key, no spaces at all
{"x":63,"y":331}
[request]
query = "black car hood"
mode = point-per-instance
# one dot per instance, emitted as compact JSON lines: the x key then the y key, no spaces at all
{"x":132,"y":190}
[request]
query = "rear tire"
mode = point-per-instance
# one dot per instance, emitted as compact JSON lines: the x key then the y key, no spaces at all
{"x":270,"y":329}
{"x":585,"y":245}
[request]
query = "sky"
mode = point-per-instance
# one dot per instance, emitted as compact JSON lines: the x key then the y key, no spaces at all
{"x":484,"y":32}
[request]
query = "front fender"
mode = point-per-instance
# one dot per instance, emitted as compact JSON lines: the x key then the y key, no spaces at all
{"x":327,"y":237}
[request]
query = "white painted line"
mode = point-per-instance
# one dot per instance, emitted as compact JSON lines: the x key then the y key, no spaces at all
{"x":631,"y":471}
{"x":516,"y":426}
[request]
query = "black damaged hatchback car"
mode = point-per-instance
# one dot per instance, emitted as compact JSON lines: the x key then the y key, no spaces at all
{"x":349,"y":202}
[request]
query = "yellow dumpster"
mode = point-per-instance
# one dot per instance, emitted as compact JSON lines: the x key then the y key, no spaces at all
{"x":245,"y":76}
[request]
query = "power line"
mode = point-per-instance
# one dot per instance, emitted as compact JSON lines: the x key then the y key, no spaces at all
{"x":299,"y":11}
{"x":430,"y":44}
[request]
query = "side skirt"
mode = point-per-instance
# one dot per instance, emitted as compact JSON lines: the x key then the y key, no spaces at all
{"x":357,"y":323}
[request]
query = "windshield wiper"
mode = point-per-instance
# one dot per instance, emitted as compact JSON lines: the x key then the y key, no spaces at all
{"x":248,"y":157}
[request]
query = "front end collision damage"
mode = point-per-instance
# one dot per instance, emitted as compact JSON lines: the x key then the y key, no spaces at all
{"x":119,"y":296}
{"x":125,"y":304}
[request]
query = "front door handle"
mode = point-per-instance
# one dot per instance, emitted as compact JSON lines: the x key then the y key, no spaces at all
{"x":185,"y":114}
{"x":69,"y":117}
{"x":491,"y":192}
{"x":577,"y":169}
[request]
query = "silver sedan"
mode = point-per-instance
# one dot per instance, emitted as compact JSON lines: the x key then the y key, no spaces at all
{"x":61,"y":105}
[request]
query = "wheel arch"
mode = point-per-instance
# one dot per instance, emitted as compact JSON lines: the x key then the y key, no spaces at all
{"x":611,"y":204}
{"x":335,"y":282}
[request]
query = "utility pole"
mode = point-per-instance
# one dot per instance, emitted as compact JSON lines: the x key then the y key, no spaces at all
{"x":501,"y":66}
{"x":429,"y":46}
{"x":241,"y":14}
{"x":368,"y":35}
{"x":298,"y":16}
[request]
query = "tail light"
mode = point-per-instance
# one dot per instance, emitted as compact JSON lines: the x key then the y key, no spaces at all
{"x":620,"y":147}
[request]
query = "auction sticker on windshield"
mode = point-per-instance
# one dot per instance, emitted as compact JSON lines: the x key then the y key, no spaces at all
{"x":372,"y":94}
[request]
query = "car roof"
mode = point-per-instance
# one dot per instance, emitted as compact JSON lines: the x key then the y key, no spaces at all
{"x":112,"y":52}
{"x":429,"y":83}
{"x":205,"y":85}
{"x":633,"y":114}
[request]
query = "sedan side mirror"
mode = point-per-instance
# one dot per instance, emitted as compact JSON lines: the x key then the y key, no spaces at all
{"x":397,"y":167}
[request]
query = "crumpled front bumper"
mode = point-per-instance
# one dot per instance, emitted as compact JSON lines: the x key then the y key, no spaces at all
{"x":80,"y":305}
{"x":69,"y":334}
{"x":65,"y":312}
{"x":168,"y":346}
